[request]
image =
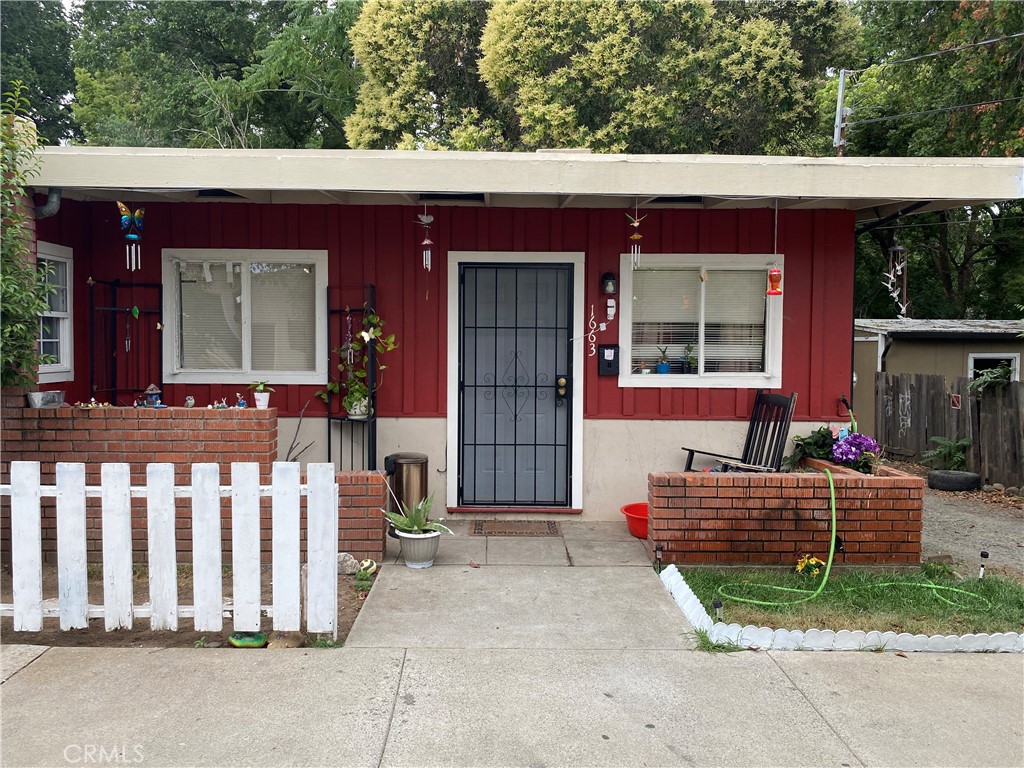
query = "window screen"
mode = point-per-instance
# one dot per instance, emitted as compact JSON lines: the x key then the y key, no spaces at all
{"x":210,"y":325}
{"x":283,"y":320}
{"x":734,"y":321}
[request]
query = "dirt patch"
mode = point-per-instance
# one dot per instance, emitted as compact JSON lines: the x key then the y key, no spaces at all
{"x":350,"y":600}
{"x":959,"y":525}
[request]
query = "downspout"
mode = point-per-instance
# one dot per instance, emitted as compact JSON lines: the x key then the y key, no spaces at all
{"x":51,"y":206}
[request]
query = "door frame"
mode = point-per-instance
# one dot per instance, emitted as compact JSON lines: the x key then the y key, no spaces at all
{"x":455,"y":261}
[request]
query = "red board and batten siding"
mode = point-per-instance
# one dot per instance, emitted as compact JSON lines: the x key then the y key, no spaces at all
{"x":379,"y":245}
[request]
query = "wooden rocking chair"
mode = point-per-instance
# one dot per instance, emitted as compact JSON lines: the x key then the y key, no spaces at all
{"x":766,"y":436}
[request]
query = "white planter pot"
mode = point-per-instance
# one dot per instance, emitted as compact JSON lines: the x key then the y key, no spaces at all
{"x":419,"y":549}
{"x":360,"y":409}
{"x":262,"y":400}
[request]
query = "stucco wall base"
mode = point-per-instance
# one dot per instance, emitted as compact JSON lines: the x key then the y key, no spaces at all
{"x":618,"y":454}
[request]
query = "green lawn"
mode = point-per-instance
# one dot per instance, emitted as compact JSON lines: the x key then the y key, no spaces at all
{"x":867,"y":600}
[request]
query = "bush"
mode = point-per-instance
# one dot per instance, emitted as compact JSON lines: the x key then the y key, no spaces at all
{"x":23,"y":287}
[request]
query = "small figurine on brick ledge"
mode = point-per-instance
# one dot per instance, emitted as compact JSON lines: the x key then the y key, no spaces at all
{"x":241,"y":400}
{"x":152,"y":394}
{"x":189,"y":401}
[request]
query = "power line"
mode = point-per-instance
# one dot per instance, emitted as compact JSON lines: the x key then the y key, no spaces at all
{"x":938,"y":53}
{"x":944,"y":223}
{"x":932,"y":111}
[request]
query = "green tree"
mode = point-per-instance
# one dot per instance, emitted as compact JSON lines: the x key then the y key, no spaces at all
{"x":895,"y":32}
{"x":35,"y":49}
{"x":612,"y":76}
{"x":23,"y":288}
{"x":421,"y":85}
{"x":199,"y":74}
{"x":966,"y":262}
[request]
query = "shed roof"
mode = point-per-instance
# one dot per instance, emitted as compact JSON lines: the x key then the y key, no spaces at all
{"x":938,"y":329}
{"x":873,"y":187}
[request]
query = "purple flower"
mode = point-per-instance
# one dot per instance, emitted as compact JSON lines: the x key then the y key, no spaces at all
{"x":851,"y":448}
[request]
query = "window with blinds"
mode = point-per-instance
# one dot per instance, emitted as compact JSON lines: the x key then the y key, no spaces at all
{"x":721,"y":326}
{"x":706,"y":315}
{"x":55,"y":338}
{"x":247,"y":314}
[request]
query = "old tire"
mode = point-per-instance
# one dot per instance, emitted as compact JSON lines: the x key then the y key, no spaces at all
{"x":952,"y":480}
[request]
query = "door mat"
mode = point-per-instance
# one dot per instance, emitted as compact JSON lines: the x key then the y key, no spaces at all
{"x":515,"y":528}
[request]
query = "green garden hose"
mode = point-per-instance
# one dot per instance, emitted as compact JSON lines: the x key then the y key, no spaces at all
{"x":810,"y":594}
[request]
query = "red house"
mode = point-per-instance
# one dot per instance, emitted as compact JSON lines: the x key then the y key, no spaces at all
{"x":529,"y":342}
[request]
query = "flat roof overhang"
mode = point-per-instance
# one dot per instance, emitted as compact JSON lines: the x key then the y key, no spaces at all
{"x":875,"y":188}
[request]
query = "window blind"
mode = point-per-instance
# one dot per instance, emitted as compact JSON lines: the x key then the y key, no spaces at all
{"x":210,"y":323}
{"x":734,"y":321}
{"x":283,"y":317}
{"x":666,"y":313}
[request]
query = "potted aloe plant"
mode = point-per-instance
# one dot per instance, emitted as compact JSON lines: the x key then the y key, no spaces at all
{"x":418,"y":534}
{"x":261,"y":393}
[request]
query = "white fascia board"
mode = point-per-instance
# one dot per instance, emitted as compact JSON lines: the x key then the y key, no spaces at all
{"x":533,"y":173}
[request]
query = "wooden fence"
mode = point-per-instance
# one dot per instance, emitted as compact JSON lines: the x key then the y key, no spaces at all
{"x":911,"y":408}
{"x":319,"y":576}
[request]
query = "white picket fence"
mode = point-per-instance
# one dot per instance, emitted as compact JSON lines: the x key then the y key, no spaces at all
{"x":319,"y":576}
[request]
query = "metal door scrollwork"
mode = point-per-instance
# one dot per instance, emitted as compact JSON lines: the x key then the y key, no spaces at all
{"x":515,"y":386}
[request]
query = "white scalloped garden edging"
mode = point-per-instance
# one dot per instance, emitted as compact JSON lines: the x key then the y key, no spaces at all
{"x":826,"y":639}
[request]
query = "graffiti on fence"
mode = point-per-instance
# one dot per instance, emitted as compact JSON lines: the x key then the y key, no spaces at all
{"x":905,"y":415}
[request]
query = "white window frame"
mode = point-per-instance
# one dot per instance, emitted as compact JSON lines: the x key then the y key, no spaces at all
{"x":771,"y":378}
{"x":174,"y":374}
{"x":1013,"y":357}
{"x":64,"y":368}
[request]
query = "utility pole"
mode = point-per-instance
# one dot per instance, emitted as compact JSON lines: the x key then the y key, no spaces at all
{"x":839,"y":133}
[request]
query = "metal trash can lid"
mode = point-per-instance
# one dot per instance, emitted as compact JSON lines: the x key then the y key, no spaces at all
{"x":406,"y":458}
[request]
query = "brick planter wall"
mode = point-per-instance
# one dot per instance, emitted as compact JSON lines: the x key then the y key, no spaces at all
{"x":181,"y":436}
{"x":740,"y":518}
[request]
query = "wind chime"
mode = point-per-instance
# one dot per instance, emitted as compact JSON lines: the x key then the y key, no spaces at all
{"x":896,"y":278}
{"x":131,"y":225}
{"x":636,"y":237}
{"x":425,"y":220}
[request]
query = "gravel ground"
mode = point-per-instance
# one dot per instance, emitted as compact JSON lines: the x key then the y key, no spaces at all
{"x":960,"y":525}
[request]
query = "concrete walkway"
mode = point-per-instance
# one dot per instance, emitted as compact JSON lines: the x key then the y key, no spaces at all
{"x":512,"y":665}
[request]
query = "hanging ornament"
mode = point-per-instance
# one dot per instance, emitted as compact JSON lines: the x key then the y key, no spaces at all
{"x":131,"y":225}
{"x":898,"y":287}
{"x":636,"y":237}
{"x":774,"y":281}
{"x":427,"y":243}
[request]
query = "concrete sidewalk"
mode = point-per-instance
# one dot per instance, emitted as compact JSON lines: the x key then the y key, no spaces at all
{"x":484,"y":707}
{"x":547,"y":663}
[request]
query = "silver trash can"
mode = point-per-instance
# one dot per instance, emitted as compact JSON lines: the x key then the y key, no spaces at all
{"x":407,"y":476}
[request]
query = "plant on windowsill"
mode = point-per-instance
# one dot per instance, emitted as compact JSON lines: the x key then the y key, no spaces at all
{"x":355,"y":364}
{"x":261,"y":394}
{"x":689,"y":359}
{"x":419,"y":534}
{"x":663,"y":365}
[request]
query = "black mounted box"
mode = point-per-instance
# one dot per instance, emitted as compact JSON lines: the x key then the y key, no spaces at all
{"x":608,"y":360}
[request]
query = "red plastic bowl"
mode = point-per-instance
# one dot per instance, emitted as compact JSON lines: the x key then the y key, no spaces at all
{"x":636,"y":518}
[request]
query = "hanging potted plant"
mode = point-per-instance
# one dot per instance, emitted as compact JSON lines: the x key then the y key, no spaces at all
{"x":354,"y":376}
{"x":419,"y":535}
{"x":261,"y":394}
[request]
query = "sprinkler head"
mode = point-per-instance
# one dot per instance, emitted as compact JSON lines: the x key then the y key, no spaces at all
{"x":981,"y":570}
{"x":717,"y":605}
